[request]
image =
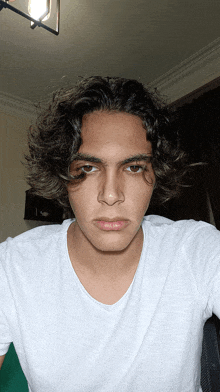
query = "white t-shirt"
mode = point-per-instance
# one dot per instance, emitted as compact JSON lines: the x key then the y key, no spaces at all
{"x":150,"y":340}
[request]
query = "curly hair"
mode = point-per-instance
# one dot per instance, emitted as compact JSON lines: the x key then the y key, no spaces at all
{"x":56,"y":138}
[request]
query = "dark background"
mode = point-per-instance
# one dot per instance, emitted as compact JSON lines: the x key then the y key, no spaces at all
{"x":199,"y":128}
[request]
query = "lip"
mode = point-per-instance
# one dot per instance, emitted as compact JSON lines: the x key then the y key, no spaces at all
{"x":111,"y":225}
{"x":114,"y":219}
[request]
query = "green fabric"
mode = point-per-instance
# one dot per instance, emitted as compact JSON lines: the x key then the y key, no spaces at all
{"x":12,"y":378}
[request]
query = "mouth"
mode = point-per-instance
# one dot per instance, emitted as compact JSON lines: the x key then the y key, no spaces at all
{"x":108,"y":225}
{"x":114,"y":219}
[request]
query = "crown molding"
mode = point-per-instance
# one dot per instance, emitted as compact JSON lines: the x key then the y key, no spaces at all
{"x":14,"y":105}
{"x":192,"y":73}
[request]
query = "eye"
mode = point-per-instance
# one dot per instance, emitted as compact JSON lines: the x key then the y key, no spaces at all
{"x":87,"y":167}
{"x":137,"y":167}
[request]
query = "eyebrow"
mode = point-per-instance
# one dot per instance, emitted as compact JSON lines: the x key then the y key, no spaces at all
{"x":134,"y":158}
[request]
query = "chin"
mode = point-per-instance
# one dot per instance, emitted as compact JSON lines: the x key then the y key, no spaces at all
{"x":113,"y":244}
{"x":110,"y":248}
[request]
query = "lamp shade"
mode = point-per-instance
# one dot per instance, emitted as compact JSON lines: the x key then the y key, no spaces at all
{"x":39,"y":8}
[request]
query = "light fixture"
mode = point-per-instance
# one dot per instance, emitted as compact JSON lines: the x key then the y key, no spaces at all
{"x":38,"y":11}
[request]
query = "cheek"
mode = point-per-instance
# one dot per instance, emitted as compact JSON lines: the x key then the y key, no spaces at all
{"x":81,"y":200}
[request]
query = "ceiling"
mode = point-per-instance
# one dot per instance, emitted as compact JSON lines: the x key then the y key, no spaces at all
{"x":131,"y":38}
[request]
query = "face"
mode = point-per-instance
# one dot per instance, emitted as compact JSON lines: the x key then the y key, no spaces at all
{"x":111,"y":189}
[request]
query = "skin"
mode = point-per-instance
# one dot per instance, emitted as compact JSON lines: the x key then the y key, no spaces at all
{"x":109,"y":256}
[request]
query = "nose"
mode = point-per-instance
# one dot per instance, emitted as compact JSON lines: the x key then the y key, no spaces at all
{"x":111,"y":189}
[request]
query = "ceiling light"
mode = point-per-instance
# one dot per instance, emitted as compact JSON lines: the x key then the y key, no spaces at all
{"x":39,"y":8}
{"x":38,"y":11}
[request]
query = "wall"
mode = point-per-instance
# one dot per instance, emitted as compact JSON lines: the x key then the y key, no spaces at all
{"x":14,"y":122}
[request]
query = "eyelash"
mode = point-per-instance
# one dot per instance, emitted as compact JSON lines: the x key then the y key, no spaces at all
{"x":139,"y":166}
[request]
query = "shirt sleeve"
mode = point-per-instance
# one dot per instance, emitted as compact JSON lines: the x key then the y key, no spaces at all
{"x":5,"y":295}
{"x":216,"y":296}
{"x":203,"y":250}
{"x":5,"y":337}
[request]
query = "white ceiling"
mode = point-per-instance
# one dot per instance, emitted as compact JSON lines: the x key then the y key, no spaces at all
{"x":131,"y":38}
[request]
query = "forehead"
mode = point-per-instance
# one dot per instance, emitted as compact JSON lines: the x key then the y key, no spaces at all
{"x":114,"y":131}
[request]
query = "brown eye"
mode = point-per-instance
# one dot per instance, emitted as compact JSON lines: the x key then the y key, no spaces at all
{"x":137,"y":169}
{"x":87,"y":167}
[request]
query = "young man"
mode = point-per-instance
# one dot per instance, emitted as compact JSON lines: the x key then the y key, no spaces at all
{"x":111,"y":300}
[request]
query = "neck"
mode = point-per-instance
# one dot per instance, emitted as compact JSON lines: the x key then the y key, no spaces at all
{"x":106,"y":265}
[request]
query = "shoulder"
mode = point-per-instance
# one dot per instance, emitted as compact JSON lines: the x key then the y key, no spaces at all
{"x":39,"y":233}
{"x":184,"y":230}
{"x":156,"y":220}
{"x":34,"y":242}
{"x":193,"y":245}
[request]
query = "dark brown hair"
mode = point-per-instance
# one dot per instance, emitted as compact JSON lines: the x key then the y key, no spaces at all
{"x":56,"y":138}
